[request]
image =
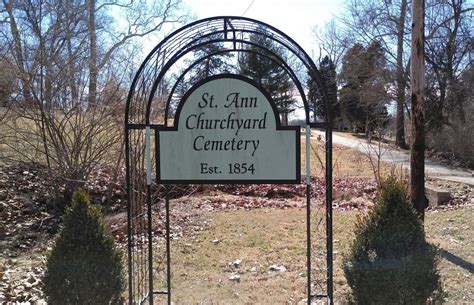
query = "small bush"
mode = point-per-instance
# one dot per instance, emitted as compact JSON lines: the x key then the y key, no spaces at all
{"x":390,"y":261}
{"x":85,"y":266}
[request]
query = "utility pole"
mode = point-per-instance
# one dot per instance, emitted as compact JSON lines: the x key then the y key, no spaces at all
{"x":417,"y":79}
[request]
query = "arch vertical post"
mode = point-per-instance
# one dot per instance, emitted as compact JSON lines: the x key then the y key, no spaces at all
{"x":329,"y":219}
{"x":308,"y":213}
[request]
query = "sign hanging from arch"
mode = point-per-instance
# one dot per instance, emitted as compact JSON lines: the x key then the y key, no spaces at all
{"x":227,"y":130}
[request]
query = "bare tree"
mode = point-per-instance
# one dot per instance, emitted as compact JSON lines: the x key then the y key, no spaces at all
{"x":449,"y":50}
{"x":385,"y":21}
{"x":137,"y":19}
{"x":333,"y":41}
{"x":73,"y":64}
{"x":449,"y":65}
{"x":7,"y":81}
{"x":401,"y":80}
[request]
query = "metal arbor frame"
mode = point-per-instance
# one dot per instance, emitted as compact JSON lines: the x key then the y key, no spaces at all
{"x":149,"y":108}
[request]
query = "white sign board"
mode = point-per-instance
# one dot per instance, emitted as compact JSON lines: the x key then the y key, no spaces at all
{"x":227,"y":130}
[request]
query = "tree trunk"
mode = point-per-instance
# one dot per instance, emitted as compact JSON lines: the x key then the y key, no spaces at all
{"x":71,"y":62}
{"x":18,"y":53}
{"x":93,"y":69}
{"x":417,"y":72}
{"x":400,"y":126}
{"x":284,"y":119}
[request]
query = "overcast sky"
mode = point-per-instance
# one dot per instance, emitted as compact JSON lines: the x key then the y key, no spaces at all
{"x":294,"y":17}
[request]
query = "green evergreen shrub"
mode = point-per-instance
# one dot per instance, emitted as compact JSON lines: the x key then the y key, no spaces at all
{"x":84,"y":266}
{"x":390,"y":261}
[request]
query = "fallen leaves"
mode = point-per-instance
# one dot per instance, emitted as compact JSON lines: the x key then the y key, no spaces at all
{"x":460,"y":194}
{"x":21,"y":282}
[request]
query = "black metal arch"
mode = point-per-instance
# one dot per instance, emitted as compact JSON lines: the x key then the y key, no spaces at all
{"x":274,"y":57}
{"x":144,"y":91}
{"x":280,"y":63}
{"x":194,"y":35}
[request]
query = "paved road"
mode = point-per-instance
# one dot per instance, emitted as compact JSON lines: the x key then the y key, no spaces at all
{"x":432,"y":168}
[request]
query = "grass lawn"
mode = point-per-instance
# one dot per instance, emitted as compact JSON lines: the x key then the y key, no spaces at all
{"x":346,"y":161}
{"x":202,"y":265}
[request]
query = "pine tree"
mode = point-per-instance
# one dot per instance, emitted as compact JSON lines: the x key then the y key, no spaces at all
{"x":363,"y":96}
{"x":85,"y":266}
{"x":327,"y":69}
{"x":217,"y":63}
{"x":268,"y":74}
{"x":390,"y":261}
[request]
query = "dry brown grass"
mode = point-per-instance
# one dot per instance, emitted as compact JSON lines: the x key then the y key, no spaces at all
{"x":346,"y":161}
{"x":260,"y":238}
{"x":452,"y":231}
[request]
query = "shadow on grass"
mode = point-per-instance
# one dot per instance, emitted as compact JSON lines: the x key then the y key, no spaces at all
{"x":458,"y":261}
